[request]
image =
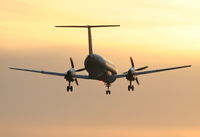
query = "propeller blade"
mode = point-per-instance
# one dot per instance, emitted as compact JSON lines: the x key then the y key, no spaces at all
{"x":132,"y":63}
{"x":137,"y":81}
{"x":72,"y":63}
{"x":76,"y":81}
{"x":141,"y":68}
{"x":82,"y":69}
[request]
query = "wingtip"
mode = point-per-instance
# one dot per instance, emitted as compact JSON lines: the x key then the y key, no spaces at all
{"x":13,"y":68}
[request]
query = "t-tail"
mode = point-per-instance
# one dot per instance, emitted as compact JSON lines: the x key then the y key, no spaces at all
{"x":89,"y":32}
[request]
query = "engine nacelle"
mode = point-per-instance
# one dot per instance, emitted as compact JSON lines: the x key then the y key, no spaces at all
{"x":130,"y":74}
{"x":69,"y":74}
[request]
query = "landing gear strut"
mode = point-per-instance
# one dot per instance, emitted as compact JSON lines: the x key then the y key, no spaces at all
{"x":130,"y":87}
{"x":69,"y":87}
{"x":108,"y":92}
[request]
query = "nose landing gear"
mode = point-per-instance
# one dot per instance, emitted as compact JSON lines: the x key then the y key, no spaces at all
{"x":108,"y":92}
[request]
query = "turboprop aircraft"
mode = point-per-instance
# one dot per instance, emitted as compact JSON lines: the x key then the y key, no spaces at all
{"x":99,"y":68}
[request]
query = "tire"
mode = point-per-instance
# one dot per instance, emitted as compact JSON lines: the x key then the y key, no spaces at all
{"x":67,"y":89}
{"x":132,"y":87}
{"x":71,"y":88}
{"x":129,"y":88}
{"x":107,"y":92}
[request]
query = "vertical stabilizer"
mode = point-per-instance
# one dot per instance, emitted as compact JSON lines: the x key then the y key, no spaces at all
{"x":90,"y":33}
{"x":90,"y":40}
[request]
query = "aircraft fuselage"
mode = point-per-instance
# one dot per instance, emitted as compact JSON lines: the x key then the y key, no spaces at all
{"x":99,"y":68}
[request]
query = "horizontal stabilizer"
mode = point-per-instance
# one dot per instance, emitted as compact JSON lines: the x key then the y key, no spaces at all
{"x":90,"y":26}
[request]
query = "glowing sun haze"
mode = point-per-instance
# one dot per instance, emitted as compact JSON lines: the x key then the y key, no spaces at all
{"x":157,"y":33}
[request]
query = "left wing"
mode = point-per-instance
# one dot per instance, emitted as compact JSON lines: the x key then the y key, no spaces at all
{"x":151,"y":71}
{"x":51,"y":73}
{"x":159,"y":70}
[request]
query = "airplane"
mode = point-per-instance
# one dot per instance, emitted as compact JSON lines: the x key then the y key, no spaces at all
{"x":99,"y":68}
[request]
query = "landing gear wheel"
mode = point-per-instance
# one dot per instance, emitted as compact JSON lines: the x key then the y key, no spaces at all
{"x":67,"y":88}
{"x":71,"y":88}
{"x":130,"y":87}
{"x":108,"y":92}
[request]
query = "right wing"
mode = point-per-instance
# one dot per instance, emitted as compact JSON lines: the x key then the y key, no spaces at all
{"x":40,"y":71}
{"x":51,"y":73}
{"x":81,"y":76}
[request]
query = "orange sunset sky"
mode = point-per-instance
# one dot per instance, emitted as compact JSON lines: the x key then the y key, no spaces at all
{"x":157,"y":33}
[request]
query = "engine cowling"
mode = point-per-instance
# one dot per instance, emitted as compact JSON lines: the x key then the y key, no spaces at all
{"x":130,"y":73}
{"x":69,"y":74}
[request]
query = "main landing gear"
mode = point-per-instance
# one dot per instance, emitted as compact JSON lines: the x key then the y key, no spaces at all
{"x":69,"y":87}
{"x":108,"y":92}
{"x":130,"y":87}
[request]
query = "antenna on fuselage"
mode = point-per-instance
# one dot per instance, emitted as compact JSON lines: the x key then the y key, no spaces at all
{"x":89,"y":32}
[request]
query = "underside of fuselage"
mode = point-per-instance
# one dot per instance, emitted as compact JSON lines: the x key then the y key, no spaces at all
{"x":99,"y":68}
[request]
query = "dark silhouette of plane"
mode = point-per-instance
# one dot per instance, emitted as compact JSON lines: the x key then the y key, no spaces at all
{"x":99,"y":68}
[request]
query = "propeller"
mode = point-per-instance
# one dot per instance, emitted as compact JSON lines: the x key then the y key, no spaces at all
{"x":71,"y":61}
{"x":76,"y":81}
{"x":137,"y":80}
{"x":71,"y":72}
{"x":130,"y":73}
{"x":132,"y":63}
{"x":139,"y":69}
{"x":82,"y":69}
